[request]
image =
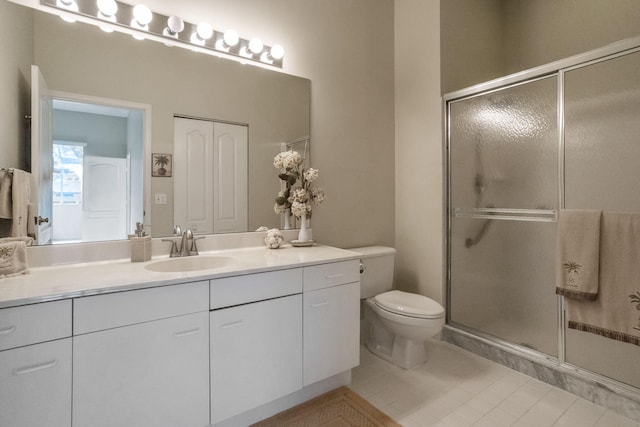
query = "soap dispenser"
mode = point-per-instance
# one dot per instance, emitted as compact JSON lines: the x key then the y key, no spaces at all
{"x":140,"y":245}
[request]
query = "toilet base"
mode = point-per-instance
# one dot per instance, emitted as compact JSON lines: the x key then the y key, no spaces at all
{"x":404,"y":353}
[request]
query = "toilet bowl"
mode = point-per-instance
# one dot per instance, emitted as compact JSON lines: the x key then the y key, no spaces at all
{"x":397,"y":324}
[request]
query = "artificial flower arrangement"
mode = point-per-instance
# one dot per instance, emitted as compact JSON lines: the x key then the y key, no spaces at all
{"x":296,"y":200}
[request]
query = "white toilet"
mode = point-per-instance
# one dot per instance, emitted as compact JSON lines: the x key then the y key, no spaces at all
{"x":396,"y":323}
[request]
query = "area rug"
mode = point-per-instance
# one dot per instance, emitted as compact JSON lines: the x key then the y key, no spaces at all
{"x":341,"y":407}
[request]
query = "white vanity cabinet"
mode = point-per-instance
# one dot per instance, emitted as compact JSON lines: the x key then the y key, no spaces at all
{"x":256,"y":340}
{"x":35,"y":365}
{"x":140,"y":358}
{"x":331,"y":307}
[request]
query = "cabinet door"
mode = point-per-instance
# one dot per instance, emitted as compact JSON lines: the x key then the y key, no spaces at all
{"x":35,"y":385}
{"x":148,"y":374}
{"x":331,"y":331}
{"x":256,"y":355}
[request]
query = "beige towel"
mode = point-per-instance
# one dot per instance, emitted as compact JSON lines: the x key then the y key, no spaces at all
{"x":21,"y":197}
{"x":13,"y":259}
{"x":6,"y":207}
{"x":615,"y":314}
{"x":578,"y":254}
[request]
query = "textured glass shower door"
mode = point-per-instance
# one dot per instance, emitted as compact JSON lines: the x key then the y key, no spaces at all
{"x":503,"y":202}
{"x":602,"y":171}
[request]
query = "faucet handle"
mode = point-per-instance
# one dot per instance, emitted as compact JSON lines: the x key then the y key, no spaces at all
{"x":177,"y":231}
{"x":194,"y":247}
{"x":174,"y":248}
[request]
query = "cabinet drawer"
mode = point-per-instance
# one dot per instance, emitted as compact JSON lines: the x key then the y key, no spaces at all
{"x":108,"y":311}
{"x":238,"y":290}
{"x":30,"y":324}
{"x":327,"y":275}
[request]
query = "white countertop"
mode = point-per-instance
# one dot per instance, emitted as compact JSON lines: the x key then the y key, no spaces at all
{"x":73,"y":280}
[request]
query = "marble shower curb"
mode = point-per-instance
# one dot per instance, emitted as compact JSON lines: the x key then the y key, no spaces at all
{"x":622,"y":399}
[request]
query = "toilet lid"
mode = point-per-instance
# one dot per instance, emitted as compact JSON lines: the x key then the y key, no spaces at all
{"x":409,"y":304}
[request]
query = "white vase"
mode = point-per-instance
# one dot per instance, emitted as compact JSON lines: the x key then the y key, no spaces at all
{"x":286,"y":225}
{"x":304,"y":235}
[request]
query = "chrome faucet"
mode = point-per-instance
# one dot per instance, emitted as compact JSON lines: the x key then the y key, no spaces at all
{"x":184,"y":243}
{"x":186,"y":248}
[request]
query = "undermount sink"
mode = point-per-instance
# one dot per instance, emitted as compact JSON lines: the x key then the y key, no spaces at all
{"x":192,"y":263}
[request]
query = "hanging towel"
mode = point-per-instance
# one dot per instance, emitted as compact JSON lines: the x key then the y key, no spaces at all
{"x":13,"y":259}
{"x":578,"y":254}
{"x":21,"y":197}
{"x":616,"y":312}
{"x":6,"y":207}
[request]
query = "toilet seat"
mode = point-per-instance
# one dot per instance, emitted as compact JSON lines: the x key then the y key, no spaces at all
{"x":409,"y":304}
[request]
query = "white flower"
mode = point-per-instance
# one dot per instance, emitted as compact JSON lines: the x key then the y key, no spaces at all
{"x":317,"y":195}
{"x":292,"y":160}
{"x":298,"y":208}
{"x":311,"y":174}
{"x":279,"y":209}
{"x":278,"y":161}
{"x":262,"y":228}
{"x":299,"y":195}
{"x":273,"y":238}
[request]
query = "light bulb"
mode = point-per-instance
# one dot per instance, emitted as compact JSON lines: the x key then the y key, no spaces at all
{"x":175,"y":25}
{"x":231,"y":38}
{"x":228,"y":40}
{"x":142,"y":15}
{"x":277,"y":52}
{"x":69,"y":5}
{"x":256,"y":45}
{"x":204,"y":31}
{"x":107,"y":9}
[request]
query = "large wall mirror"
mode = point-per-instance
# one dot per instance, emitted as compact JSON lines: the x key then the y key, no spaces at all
{"x":80,"y":62}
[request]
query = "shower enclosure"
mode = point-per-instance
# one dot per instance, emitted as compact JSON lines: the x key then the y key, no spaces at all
{"x":519,"y":149}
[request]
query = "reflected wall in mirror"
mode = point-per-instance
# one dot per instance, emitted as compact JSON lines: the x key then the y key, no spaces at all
{"x":81,"y":59}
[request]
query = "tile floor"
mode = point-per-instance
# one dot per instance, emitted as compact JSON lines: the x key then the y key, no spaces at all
{"x":456,"y":388}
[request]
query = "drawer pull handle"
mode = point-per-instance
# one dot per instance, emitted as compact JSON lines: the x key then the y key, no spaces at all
{"x":232,"y":324}
{"x":6,"y":331}
{"x":35,"y":368}
{"x":334,"y":276}
{"x":320,"y":304}
{"x":187,"y":332}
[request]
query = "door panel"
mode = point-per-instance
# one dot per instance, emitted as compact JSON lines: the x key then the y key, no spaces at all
{"x":41,"y":157}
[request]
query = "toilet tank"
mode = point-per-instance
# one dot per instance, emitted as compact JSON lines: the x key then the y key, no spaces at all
{"x":377,"y":276}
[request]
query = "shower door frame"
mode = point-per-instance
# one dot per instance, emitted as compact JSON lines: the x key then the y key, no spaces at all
{"x":557,"y":68}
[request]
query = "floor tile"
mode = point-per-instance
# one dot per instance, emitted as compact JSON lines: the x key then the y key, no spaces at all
{"x":456,"y":388}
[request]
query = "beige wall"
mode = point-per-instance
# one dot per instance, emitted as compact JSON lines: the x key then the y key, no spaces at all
{"x":15,"y":70}
{"x":541,"y":31}
{"x":471,"y":36}
{"x":418,"y":165}
{"x":487,"y":39}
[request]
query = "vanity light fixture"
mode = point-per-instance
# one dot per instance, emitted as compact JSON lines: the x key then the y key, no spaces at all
{"x":70,"y":6}
{"x":141,"y":22}
{"x":202,"y":33}
{"x":228,"y":40}
{"x":107,"y":10}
